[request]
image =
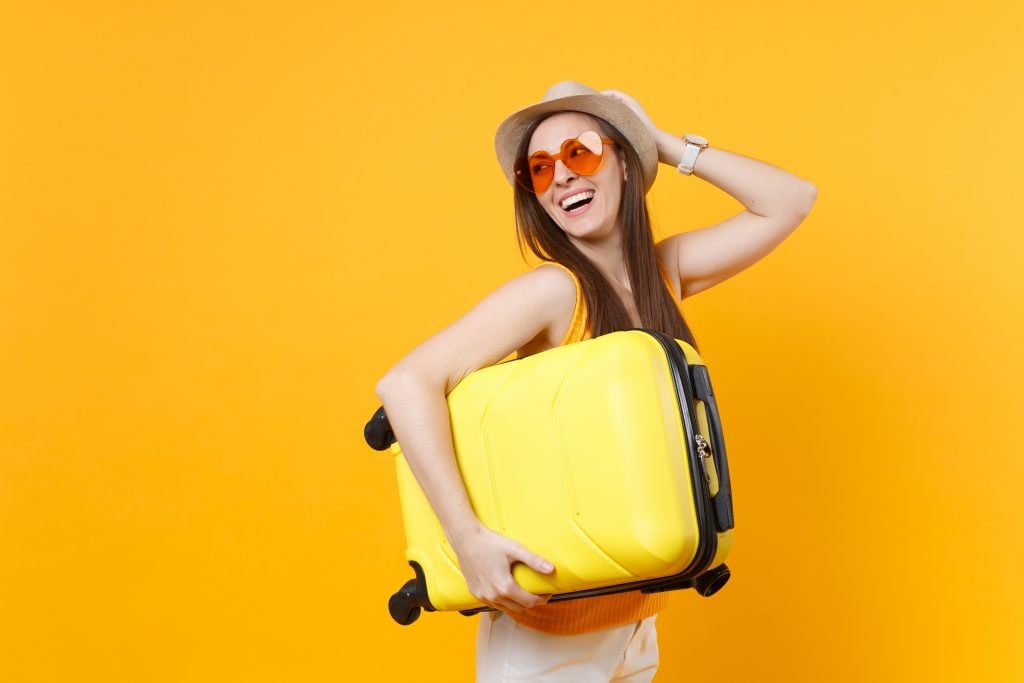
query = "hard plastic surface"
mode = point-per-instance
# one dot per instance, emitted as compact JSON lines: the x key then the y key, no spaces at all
{"x":577,"y":452}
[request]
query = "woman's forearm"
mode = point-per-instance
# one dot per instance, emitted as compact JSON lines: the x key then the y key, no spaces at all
{"x":418,"y":413}
{"x":763,"y":189}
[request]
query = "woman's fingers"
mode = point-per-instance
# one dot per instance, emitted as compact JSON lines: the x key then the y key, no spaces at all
{"x":512,"y":591}
{"x":487,"y":561}
{"x":506,"y":593}
{"x":632,"y":104}
{"x":526,"y":599}
{"x":531,"y":560}
{"x":619,"y":95}
{"x":517,"y":599}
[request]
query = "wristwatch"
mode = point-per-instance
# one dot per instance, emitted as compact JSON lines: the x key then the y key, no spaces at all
{"x":694,"y":144}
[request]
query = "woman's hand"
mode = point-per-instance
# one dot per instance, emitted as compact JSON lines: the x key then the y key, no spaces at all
{"x":635,"y":106}
{"x":663,"y":140}
{"x":486,"y":558}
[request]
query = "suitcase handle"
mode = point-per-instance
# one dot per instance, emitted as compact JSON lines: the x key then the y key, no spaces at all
{"x":703,"y":391}
{"x":378,"y":433}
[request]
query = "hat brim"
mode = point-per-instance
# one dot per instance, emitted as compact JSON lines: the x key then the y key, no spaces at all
{"x":511,"y":131}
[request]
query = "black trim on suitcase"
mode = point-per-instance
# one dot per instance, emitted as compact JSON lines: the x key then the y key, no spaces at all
{"x":704,"y":392}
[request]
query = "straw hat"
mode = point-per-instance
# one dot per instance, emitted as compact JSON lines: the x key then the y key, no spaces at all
{"x":573,"y":96}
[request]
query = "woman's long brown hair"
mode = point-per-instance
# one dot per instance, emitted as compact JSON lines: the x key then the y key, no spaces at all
{"x":654,"y":302}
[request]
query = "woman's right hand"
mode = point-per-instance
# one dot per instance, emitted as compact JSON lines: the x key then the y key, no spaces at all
{"x":486,"y":559}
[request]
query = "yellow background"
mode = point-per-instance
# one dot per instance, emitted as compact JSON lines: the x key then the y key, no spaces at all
{"x":221,"y":223}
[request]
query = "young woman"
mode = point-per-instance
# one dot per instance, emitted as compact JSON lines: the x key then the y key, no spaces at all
{"x":581,"y":162}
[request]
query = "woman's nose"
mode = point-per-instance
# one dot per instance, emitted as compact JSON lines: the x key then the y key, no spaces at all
{"x":562,"y":173}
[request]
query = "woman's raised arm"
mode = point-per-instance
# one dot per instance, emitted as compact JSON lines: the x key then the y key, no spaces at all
{"x":776,"y":203}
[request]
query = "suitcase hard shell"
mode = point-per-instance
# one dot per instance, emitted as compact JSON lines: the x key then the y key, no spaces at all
{"x":604,"y":456}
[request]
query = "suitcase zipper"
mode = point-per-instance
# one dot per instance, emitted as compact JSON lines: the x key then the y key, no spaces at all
{"x":702,"y":453}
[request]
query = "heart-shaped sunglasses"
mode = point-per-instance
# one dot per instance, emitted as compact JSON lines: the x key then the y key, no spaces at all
{"x":582,"y":154}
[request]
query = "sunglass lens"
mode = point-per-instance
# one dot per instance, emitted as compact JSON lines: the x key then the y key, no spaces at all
{"x":592,"y":141}
{"x":536,"y":172}
{"x":580,"y":158}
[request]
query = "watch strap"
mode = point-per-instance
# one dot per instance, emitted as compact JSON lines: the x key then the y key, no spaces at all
{"x":690,"y":153}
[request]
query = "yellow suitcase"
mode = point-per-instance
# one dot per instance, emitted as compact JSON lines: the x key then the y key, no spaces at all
{"x":605,"y":456}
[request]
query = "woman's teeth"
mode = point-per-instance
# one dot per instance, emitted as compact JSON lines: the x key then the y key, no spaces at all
{"x":576,"y":200}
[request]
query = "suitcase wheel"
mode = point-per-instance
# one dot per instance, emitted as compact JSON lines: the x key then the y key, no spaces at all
{"x":402,"y":605}
{"x":377,"y":432}
{"x":708,"y":583}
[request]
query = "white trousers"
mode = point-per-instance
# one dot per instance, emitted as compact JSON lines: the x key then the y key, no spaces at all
{"x":509,"y":651}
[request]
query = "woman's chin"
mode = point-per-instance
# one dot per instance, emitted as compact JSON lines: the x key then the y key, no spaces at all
{"x":588,"y":233}
{"x":587,"y":226}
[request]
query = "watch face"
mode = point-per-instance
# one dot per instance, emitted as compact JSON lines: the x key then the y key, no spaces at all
{"x":695,"y":139}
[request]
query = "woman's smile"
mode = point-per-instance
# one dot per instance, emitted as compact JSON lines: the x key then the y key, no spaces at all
{"x":576,"y":202}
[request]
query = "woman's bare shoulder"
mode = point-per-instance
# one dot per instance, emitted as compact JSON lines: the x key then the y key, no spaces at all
{"x":556,"y":273}
{"x":551,"y":282}
{"x":563,"y":297}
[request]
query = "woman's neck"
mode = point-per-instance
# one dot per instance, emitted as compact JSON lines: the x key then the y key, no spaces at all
{"x":607,"y":256}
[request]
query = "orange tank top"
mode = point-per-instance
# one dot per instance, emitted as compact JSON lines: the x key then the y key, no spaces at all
{"x":571,"y":617}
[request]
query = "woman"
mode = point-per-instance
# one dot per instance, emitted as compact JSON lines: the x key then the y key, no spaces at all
{"x":580,"y":162}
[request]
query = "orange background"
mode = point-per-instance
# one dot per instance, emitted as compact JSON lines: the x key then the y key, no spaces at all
{"x":221,"y":223}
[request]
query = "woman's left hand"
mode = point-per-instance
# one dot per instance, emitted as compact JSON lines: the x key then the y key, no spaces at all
{"x":663,"y":140}
{"x":635,"y":106}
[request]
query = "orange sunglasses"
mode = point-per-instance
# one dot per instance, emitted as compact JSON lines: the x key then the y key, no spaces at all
{"x":582,"y":154}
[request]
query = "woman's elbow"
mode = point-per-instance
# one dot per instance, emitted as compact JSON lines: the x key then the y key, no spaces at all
{"x":810,"y":196}
{"x":400,"y":379}
{"x":387,"y":384}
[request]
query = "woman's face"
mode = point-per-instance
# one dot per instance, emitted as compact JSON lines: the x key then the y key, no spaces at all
{"x":597,"y":217}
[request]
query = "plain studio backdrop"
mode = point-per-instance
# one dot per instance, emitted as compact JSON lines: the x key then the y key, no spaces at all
{"x":222,"y":222}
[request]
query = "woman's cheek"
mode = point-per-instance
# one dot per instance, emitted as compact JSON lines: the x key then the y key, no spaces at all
{"x":551,"y":214}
